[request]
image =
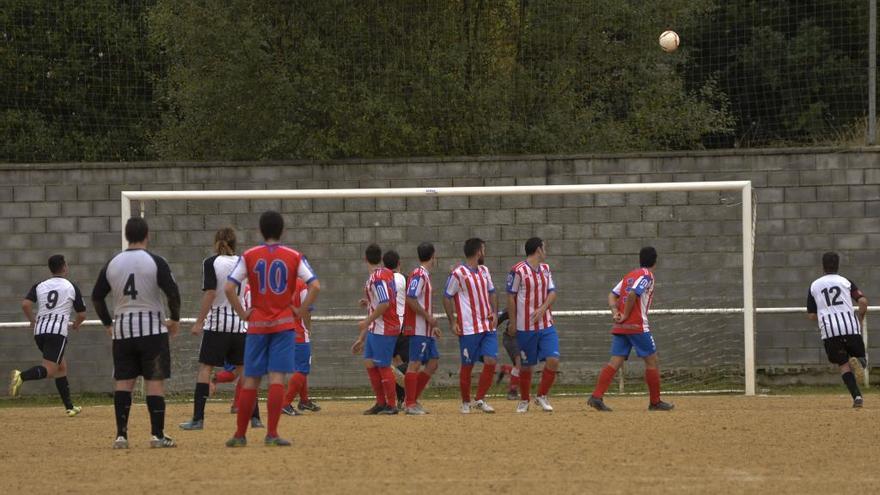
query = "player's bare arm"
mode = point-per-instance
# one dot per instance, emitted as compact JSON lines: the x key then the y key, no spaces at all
{"x":628,"y":306}
{"x":612,"y":303}
{"x":511,"y":314}
{"x":414,"y":305}
{"x":812,"y":316}
{"x":364,"y":324}
{"x":231,"y":290}
{"x":204,"y":308}
{"x":80,"y":318}
{"x":863,"y":309}
{"x":303,"y":310}
{"x":27,"y":307}
{"x":539,"y":313}
{"x":450,"y":315}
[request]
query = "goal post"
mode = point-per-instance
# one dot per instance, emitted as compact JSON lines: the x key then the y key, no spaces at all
{"x":743,"y":187}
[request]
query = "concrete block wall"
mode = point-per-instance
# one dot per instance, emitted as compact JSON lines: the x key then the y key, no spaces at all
{"x":808,"y":201}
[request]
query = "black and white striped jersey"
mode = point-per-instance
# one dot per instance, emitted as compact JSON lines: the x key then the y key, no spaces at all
{"x":55,"y":298}
{"x":831,"y":300}
{"x":136,"y":277}
{"x":222,"y":317}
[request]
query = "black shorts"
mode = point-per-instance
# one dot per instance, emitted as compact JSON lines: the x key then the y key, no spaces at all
{"x":511,"y":346}
{"x":401,"y":347}
{"x":147,"y":356}
{"x":219,"y":348}
{"x":52,"y":346}
{"x":839,"y":349}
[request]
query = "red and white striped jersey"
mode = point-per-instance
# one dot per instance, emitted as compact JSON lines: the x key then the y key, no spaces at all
{"x":299,"y":296}
{"x":380,"y":288}
{"x":531,"y":288}
{"x":470,"y":288}
{"x":637,"y":283}
{"x":419,"y":289}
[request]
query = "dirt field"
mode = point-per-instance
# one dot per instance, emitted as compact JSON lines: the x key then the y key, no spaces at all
{"x":727,"y":444}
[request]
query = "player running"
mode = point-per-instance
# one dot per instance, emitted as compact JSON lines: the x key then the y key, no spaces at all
{"x":271,"y":270}
{"x":530,"y":294}
{"x":55,"y":297}
{"x":299,"y":381}
{"x":420,"y":326}
{"x":630,"y":301}
{"x":829,"y":302}
{"x":473,"y":319}
{"x":378,"y":332}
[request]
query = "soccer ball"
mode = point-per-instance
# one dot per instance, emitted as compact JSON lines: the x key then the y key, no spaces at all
{"x":669,"y":41}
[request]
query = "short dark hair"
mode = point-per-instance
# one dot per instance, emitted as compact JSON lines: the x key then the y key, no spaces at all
{"x":136,"y":230}
{"x":373,"y":253}
{"x":472,"y":246}
{"x":532,"y":245}
{"x":831,"y":262}
{"x":271,"y":224}
{"x":56,"y":263}
{"x":647,"y":257}
{"x":426,"y":251}
{"x":391,"y":259}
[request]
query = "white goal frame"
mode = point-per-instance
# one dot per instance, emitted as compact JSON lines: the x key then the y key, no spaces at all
{"x":744,"y":187}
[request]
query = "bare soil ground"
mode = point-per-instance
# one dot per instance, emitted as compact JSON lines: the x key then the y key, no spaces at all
{"x":718,"y":444}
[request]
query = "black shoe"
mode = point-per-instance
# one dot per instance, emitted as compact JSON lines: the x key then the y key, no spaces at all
{"x":374,"y":410}
{"x":387,"y":410}
{"x":598,"y":404}
{"x":308,"y":406}
{"x":858,"y":402}
{"x":661,"y":406}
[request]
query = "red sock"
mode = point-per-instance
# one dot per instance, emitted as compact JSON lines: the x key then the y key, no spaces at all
{"x":486,"y":377}
{"x":652,"y":378}
{"x":424,"y":378}
{"x":376,"y":383}
{"x":506,"y":369}
{"x":412,"y":387}
{"x":547,"y":378}
{"x":604,"y":381}
{"x":224,"y":377}
{"x":273,"y":404}
{"x":304,"y":390}
{"x":464,"y":381}
{"x":293,"y":387}
{"x":247,"y":397}
{"x":525,"y":383}
{"x":389,"y":386}
{"x":237,"y":392}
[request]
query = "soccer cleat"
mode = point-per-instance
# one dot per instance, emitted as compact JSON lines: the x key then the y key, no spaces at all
{"x":256,"y":423}
{"x":15,"y":382}
{"x":661,"y":406}
{"x":162,"y":443}
{"x":522,"y":406}
{"x":415,"y":411}
{"x":542,"y":401}
{"x":465,"y":408}
{"x":858,"y":402}
{"x":388,"y":410}
{"x":236,"y":442}
{"x":308,"y":406}
{"x":420,"y":408}
{"x":484,"y":406}
{"x":374,"y":410}
{"x":193,"y":424}
{"x":120,"y":443}
{"x":73,"y":411}
{"x":598,"y":404}
{"x":290,"y":410}
{"x":276,"y":442}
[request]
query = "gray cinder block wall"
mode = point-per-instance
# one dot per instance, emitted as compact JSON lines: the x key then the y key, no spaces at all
{"x":808,"y":201}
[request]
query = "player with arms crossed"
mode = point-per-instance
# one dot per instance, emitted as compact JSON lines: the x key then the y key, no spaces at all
{"x":630,"y":301}
{"x":54,"y":297}
{"x":473,"y":319}
{"x":271,"y":270}
{"x":299,"y":381}
{"x":420,"y":326}
{"x":379,"y":331}
{"x":140,"y":333}
{"x":530,"y":294}
{"x":829,"y":302}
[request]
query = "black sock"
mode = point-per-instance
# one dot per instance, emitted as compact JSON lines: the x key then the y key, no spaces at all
{"x":200,"y":397}
{"x":850,"y":380}
{"x":401,"y":392}
{"x":156,"y":406}
{"x":122,"y":404}
{"x":64,"y":391}
{"x":256,"y":413}
{"x":35,"y":373}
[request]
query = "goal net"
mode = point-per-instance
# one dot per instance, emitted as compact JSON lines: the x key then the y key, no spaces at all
{"x":702,"y":316}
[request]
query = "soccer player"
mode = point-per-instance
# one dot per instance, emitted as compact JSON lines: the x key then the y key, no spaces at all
{"x":138,"y":327}
{"x":299,"y":381}
{"x":271,"y":270}
{"x":630,"y":301}
{"x":420,"y":326}
{"x":508,"y":340}
{"x":400,"y":359}
{"x":530,"y":294}
{"x":54,"y":297}
{"x":829,"y":302}
{"x":378,"y":332}
{"x":473,"y":319}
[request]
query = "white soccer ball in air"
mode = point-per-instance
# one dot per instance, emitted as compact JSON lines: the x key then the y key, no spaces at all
{"x":669,"y":41}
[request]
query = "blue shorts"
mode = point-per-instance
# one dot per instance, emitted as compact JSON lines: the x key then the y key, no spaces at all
{"x":423,"y":349}
{"x":477,"y":346}
{"x":535,"y":347}
{"x":268,"y":352}
{"x":622,"y":344}
{"x":380,"y":349}
{"x":302,"y":356}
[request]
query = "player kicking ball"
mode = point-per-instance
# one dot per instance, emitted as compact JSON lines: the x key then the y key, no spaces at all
{"x":630,"y":301}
